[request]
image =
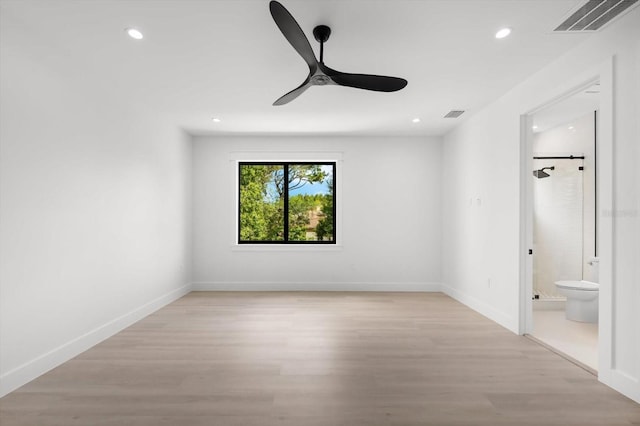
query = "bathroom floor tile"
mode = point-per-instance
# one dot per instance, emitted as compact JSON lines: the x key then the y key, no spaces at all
{"x":577,"y":339}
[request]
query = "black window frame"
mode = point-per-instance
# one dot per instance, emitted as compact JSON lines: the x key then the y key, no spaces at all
{"x":285,"y":165}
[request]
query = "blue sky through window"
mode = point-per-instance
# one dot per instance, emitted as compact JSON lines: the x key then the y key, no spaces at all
{"x":306,"y":189}
{"x":316,"y":188}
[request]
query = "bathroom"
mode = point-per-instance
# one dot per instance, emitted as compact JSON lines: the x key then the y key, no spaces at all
{"x":565,"y":255}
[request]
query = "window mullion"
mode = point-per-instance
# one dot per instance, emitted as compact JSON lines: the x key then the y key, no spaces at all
{"x":286,"y":201}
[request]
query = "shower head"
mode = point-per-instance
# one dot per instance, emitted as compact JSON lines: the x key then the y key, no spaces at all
{"x":541,"y":173}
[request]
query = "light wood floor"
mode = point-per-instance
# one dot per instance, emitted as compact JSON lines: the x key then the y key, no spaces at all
{"x":298,"y":359}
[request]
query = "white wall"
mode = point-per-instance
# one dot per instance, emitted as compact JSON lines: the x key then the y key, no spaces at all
{"x":481,"y":160}
{"x":94,"y":213}
{"x":388,"y":194}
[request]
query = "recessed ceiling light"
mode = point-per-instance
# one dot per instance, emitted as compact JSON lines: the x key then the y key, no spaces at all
{"x":134,"y":33}
{"x":571,"y":127}
{"x":503,"y":33}
{"x":416,"y":120}
{"x":535,"y":127}
{"x":216,"y":120}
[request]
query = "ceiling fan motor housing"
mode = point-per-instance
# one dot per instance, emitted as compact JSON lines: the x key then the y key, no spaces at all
{"x":320,"y":79}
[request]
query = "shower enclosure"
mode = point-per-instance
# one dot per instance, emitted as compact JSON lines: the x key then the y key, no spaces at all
{"x":558,"y":222}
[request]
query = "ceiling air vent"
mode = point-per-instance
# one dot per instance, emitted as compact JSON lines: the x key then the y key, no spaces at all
{"x":594,"y":14}
{"x":453,"y":114}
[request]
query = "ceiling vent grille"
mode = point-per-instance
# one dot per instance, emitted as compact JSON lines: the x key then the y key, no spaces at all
{"x":594,"y":14}
{"x":454,"y":114}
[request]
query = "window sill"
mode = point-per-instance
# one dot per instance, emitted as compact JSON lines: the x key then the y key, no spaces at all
{"x":287,"y":247}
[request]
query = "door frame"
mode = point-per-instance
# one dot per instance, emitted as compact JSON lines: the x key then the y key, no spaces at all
{"x":604,"y":186}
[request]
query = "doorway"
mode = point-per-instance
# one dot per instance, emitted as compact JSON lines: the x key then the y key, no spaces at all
{"x":566,"y":189}
{"x":565,"y":263}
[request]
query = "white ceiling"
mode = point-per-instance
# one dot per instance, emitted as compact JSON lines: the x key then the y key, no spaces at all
{"x":227,"y":59}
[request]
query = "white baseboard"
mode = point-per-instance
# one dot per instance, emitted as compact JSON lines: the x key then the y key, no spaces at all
{"x":482,"y":308}
{"x":315,"y":286}
{"x":625,"y":384}
{"x":28,"y":371}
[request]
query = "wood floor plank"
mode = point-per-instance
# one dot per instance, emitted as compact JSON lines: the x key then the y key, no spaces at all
{"x":317,"y":358}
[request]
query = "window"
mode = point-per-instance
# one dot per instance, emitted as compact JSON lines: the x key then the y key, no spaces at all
{"x":286,"y":203}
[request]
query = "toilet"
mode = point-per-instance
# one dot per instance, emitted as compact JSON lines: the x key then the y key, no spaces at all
{"x":582,"y":300}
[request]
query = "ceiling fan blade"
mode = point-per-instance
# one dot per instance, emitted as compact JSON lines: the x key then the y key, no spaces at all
{"x":294,"y":93}
{"x":379,"y":83}
{"x":293,"y":33}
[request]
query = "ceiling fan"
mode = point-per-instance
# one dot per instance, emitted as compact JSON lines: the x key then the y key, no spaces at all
{"x":319,"y":73}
